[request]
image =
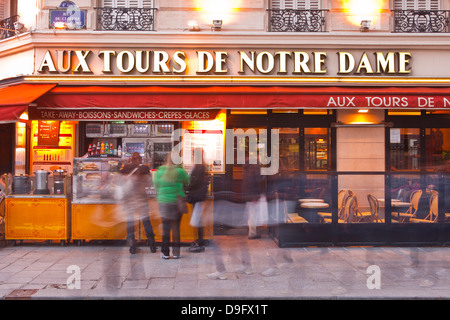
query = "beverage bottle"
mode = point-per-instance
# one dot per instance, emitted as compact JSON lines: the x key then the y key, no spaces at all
{"x":111,"y":148}
{"x":90,"y":150}
{"x":102,"y":148}
{"x":106,"y":148}
{"x":98,"y":148}
{"x":119,"y":151}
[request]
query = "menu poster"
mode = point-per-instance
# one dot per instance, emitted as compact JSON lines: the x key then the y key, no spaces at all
{"x":48,"y":133}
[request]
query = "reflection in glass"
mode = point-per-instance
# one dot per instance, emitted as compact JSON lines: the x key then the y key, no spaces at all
{"x":316,"y":148}
{"x":405,"y":146}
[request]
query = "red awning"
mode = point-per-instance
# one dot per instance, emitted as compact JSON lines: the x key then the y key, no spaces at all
{"x":14,"y":100}
{"x":243,"y":97}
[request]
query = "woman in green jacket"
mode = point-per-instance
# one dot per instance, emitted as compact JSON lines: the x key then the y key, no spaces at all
{"x":170,"y":182}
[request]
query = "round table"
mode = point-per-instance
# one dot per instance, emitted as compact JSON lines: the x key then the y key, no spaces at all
{"x":310,"y":210}
{"x":310,"y":200}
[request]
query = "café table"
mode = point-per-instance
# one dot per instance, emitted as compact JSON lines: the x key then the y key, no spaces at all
{"x":309,"y":210}
{"x":310,"y":200}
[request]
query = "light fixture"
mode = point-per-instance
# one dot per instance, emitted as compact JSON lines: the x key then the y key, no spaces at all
{"x":60,"y":25}
{"x":354,"y":124}
{"x":217,"y":25}
{"x":365,"y":25}
{"x":193,"y":26}
{"x":363,"y":110}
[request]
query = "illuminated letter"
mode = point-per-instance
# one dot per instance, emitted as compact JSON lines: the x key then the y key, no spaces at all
{"x":107,"y":59}
{"x":160,"y":61}
{"x":385,"y":64}
{"x":61,"y":55}
{"x":319,"y":60}
{"x":364,"y":64}
{"x":300,"y":61}
{"x":250,"y":62}
{"x":283,"y":55}
{"x":204,"y":56}
{"x":403,"y":61}
{"x":220,"y":61}
{"x":120,"y":61}
{"x":47,"y":62}
{"x":178,"y":58}
{"x":345,"y":59}
{"x":139,"y":61}
{"x":270,"y":62}
{"x":82,"y":61}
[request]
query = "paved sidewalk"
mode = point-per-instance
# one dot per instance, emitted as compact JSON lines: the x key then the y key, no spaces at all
{"x":50,"y":271}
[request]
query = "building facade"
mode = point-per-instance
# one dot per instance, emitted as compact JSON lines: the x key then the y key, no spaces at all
{"x":338,"y":95}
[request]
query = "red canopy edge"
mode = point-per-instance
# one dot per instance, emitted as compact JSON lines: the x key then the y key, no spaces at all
{"x":242,"y":97}
{"x":15,"y":99}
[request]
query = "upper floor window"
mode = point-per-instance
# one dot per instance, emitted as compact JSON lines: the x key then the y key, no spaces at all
{"x":296,"y":16}
{"x":128,"y":3}
{"x":296,"y":4}
{"x":126,"y":15}
{"x":420,"y":16}
{"x":416,"y":5}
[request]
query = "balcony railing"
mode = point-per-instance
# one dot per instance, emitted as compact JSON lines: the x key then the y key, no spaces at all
{"x":7,"y":27}
{"x":421,"y":21}
{"x":125,"y":19}
{"x":290,"y":20}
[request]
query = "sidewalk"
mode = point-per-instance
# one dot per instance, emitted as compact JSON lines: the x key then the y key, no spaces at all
{"x":40,"y":271}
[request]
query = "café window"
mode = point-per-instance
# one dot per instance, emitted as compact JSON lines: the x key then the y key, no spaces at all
{"x":416,"y":5}
{"x":437,"y":149}
{"x":404,"y":149}
{"x":317,"y":149}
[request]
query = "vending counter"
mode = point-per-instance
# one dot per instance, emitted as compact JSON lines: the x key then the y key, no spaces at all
{"x":37,"y":217}
{"x":96,"y":215}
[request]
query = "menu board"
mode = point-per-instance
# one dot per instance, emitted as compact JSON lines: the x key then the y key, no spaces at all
{"x":206,"y":135}
{"x":48,"y":133}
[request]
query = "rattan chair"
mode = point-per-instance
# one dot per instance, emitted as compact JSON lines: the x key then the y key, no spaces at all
{"x":433,"y":214}
{"x":341,"y":197}
{"x":412,"y":210}
{"x":374,"y":208}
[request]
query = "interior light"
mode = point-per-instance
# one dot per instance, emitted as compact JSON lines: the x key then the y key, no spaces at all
{"x":363,"y":110}
{"x":24,"y":116}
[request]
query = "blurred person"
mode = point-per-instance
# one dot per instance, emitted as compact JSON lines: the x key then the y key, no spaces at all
{"x":196,"y":195}
{"x":136,"y":200}
{"x":170,"y":183}
{"x":252,"y":186}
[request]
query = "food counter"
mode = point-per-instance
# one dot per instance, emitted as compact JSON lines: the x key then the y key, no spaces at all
{"x":37,"y":217}
{"x":96,"y":215}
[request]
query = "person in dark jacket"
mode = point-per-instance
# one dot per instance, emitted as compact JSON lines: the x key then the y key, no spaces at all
{"x":196,"y":195}
{"x":136,"y":205}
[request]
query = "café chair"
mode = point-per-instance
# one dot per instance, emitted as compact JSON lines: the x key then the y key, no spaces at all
{"x":341,"y":197}
{"x":292,"y":217}
{"x":412,"y":210}
{"x":361,"y":216}
{"x":433,"y":214}
{"x":374,"y":208}
{"x":348,"y":211}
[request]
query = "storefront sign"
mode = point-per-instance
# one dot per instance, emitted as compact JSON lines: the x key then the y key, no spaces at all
{"x":129,"y":114}
{"x":48,"y":133}
{"x":145,"y":62}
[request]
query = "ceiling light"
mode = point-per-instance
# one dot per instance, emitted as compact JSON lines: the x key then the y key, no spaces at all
{"x":217,"y":25}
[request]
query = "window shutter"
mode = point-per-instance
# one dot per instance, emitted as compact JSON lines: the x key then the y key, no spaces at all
{"x":147,"y":3}
{"x":108,"y":4}
{"x":295,"y":4}
{"x":416,"y":5}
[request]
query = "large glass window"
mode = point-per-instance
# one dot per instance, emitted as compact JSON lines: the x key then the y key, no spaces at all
{"x":404,"y":147}
{"x":316,"y":148}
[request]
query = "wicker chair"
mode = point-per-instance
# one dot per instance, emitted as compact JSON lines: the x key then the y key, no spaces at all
{"x":412,"y":210}
{"x":374,"y":208}
{"x":433,"y":214}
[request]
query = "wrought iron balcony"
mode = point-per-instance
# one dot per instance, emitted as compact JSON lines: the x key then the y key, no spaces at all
{"x":125,"y":19}
{"x":290,"y":20}
{"x":421,"y":21}
{"x":7,"y":27}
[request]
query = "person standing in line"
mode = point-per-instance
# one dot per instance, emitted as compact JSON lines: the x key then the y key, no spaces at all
{"x":136,"y":201}
{"x":170,"y":183}
{"x":196,"y":195}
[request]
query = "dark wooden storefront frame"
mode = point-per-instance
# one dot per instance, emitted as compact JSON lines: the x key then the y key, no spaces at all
{"x":337,"y":234}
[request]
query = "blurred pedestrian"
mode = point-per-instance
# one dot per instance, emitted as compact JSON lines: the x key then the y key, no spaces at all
{"x":196,"y":195}
{"x":252,"y":186}
{"x":136,"y":200}
{"x":170,"y":183}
